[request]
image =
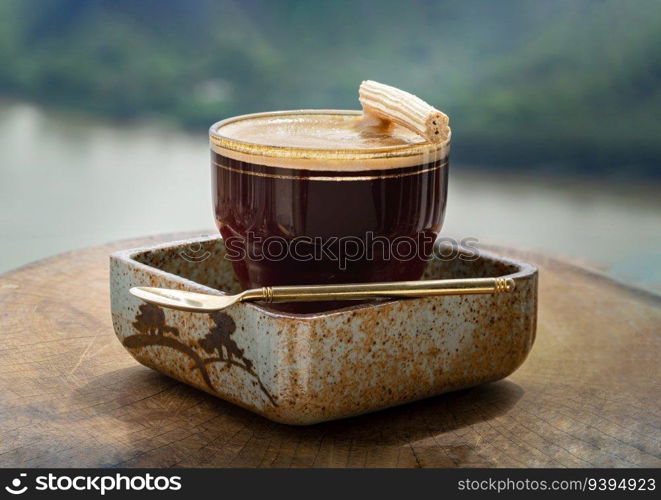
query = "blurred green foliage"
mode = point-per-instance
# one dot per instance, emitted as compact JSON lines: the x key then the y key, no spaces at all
{"x":564,"y":84}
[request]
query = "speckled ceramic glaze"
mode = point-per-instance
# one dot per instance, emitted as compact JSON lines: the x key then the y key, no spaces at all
{"x":308,"y":368}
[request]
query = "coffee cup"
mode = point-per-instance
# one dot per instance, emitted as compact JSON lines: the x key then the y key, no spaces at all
{"x":321,"y":197}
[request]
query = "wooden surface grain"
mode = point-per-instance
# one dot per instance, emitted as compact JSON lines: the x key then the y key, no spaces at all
{"x":588,"y":395}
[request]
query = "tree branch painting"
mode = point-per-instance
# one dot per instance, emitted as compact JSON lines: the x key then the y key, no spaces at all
{"x":154,"y":331}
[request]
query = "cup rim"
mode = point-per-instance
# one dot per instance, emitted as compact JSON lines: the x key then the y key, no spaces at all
{"x":220,"y":141}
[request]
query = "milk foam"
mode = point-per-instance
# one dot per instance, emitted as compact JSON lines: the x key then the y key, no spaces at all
{"x":331,"y":132}
{"x":335,"y":141}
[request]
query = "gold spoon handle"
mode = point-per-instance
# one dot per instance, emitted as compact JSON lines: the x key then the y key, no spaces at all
{"x":373,"y":290}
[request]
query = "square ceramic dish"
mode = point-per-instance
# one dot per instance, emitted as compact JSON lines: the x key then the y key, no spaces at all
{"x":309,"y":368}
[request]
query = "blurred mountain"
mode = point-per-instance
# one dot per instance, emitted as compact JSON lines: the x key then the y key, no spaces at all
{"x":564,"y":84}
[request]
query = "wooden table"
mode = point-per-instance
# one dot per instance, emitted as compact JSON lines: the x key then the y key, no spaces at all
{"x":71,"y":396}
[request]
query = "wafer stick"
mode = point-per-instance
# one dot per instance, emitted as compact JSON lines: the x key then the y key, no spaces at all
{"x":394,"y":105}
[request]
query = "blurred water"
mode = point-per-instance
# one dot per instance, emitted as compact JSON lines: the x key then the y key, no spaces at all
{"x":68,"y":182}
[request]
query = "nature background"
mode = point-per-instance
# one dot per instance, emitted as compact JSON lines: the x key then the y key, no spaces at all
{"x":555,"y":108}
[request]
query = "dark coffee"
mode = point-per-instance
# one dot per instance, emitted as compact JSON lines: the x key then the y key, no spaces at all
{"x":337,"y":220}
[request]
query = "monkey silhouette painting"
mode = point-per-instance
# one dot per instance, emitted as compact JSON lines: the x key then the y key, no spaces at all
{"x":151,"y":321}
{"x":220,"y":337}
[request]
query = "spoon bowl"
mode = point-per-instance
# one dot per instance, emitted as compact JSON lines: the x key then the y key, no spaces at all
{"x":183,"y":300}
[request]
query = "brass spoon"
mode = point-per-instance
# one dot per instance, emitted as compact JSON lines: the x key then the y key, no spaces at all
{"x":205,"y":303}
